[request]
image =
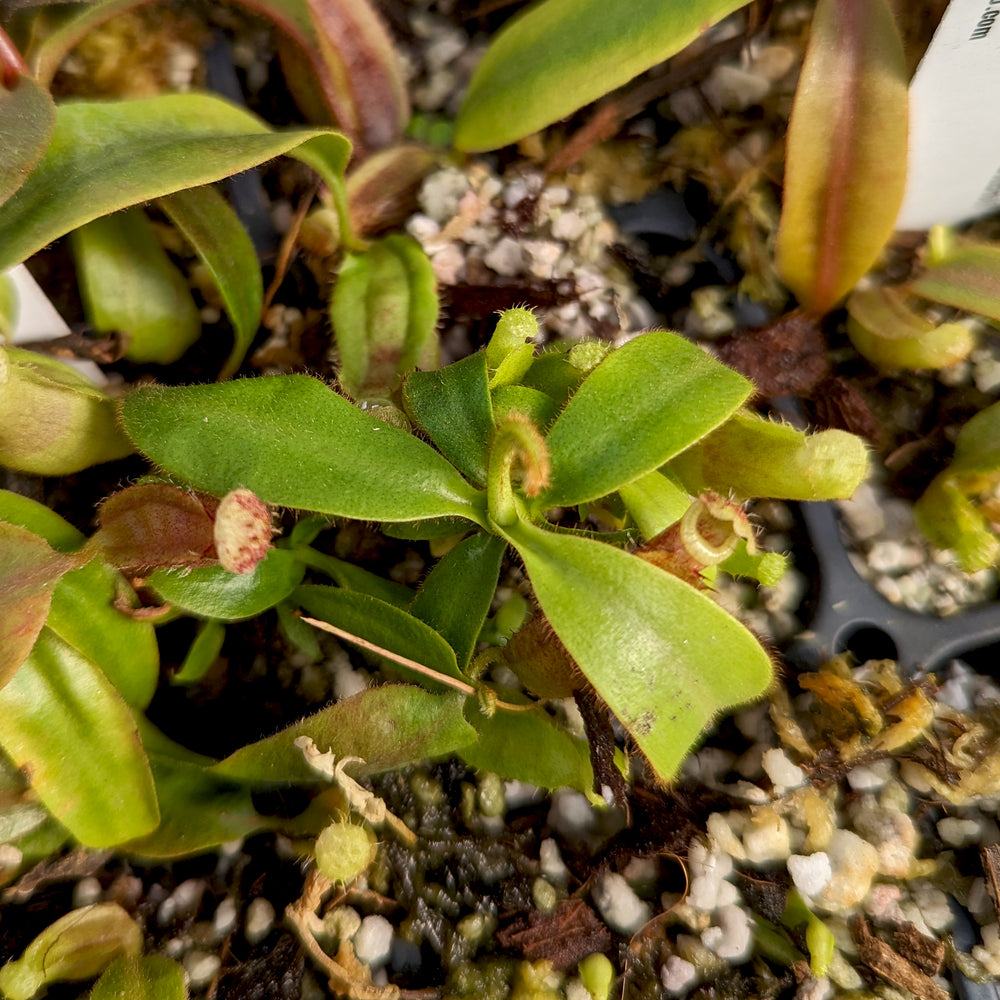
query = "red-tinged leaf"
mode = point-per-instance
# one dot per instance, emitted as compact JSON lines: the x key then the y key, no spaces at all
{"x":29,"y":571}
{"x":27,"y":120}
{"x":368,"y":92}
{"x":846,"y":157}
{"x":153,"y":525}
{"x":967,"y":279}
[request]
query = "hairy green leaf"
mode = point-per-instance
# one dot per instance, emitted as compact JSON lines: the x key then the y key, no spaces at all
{"x":62,"y":721}
{"x":664,"y":656}
{"x":455,"y":597}
{"x":225,"y":248}
{"x":213,"y":592}
{"x":563,"y":54}
{"x":531,"y":747}
{"x":295,"y":443}
{"x":382,"y":624}
{"x":105,"y":156}
{"x":387,"y":727}
{"x":754,"y":457}
{"x":846,"y":158}
{"x":384,"y":311}
{"x":27,"y":120}
{"x":149,"y":977}
{"x":129,"y":284}
{"x":638,"y":408}
{"x":72,"y":423}
{"x":452,"y":407}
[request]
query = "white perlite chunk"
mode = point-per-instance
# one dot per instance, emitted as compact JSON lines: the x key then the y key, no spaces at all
{"x":730,"y":935}
{"x":259,"y":920}
{"x":855,"y":862}
{"x":708,"y":871}
{"x":224,"y":918}
{"x":811,"y":873}
{"x":958,"y":832}
{"x":373,"y":942}
{"x":623,"y":911}
{"x":201,"y":967}
{"x":677,"y":975}
{"x":551,"y":863}
{"x":869,"y":777}
{"x":768,"y":839}
{"x":784,"y":774}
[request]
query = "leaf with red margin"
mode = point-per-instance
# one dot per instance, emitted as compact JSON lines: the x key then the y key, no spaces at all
{"x":29,"y":571}
{"x":846,"y":159}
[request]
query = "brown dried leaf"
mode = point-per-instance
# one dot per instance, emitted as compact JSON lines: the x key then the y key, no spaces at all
{"x":787,"y":358}
{"x":893,"y":968}
{"x":564,"y":937}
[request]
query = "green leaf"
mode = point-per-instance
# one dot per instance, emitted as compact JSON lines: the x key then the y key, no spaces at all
{"x":529,"y":746}
{"x":455,"y":597}
{"x":64,"y":723}
{"x":563,"y":54}
{"x":764,"y":567}
{"x":295,"y":443}
{"x":213,"y":592}
{"x":83,"y":613}
{"x":29,"y":571}
{"x":655,"y":501}
{"x":846,"y":157}
{"x":199,"y":810}
{"x":27,"y":120}
{"x":886,"y":331}
{"x":387,"y":727}
{"x":381,"y":624}
{"x":384,"y":311}
{"x":663,"y":655}
{"x":452,"y":407}
{"x":225,"y":248}
{"x":539,"y":408}
{"x":968,"y":278}
{"x":105,"y":156}
{"x":202,"y":653}
{"x":977,"y":447}
{"x":754,"y":457}
{"x":36,"y":517}
{"x":129,"y":284}
{"x":639,"y":407}
{"x":53,"y":420}
{"x":949,"y":518}
{"x":352,"y":577}
{"x":150,"y":977}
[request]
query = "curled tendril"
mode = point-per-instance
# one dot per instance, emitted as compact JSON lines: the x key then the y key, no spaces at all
{"x":712,"y":527}
{"x":517,"y":443}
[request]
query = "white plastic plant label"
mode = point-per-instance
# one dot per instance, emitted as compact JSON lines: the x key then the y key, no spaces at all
{"x":37,"y":319}
{"x":954,"y":157}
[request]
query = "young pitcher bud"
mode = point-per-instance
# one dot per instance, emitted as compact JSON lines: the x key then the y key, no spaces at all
{"x":77,"y":946}
{"x":344,"y":851}
{"x":242,"y":531}
{"x":53,"y":421}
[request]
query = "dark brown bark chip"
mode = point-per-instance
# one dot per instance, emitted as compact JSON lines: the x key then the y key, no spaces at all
{"x":787,"y":358}
{"x":883,"y":960}
{"x":990,"y":858}
{"x":564,"y":937}
{"x":926,"y":953}
{"x":276,"y":974}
